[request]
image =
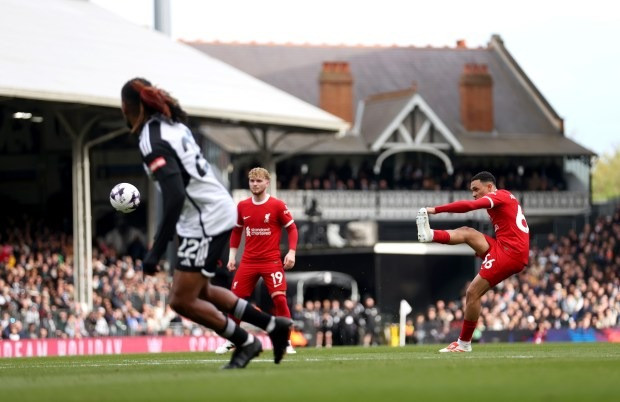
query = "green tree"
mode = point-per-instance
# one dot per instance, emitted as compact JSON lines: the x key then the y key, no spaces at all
{"x":606,"y":176}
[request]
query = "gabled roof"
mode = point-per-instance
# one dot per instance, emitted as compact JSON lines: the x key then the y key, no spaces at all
{"x":77,"y":52}
{"x":381,"y":111}
{"x":384,"y":116}
{"x":519,"y":108}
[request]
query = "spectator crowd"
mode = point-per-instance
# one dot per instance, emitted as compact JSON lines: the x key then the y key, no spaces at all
{"x":572,"y":282}
{"x":294,"y":175}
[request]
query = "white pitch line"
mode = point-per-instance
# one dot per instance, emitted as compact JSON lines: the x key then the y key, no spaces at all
{"x":177,"y":362}
{"x":297,"y":359}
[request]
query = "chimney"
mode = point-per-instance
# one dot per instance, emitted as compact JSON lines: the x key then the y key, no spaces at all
{"x":476,"y":88}
{"x":336,"y":89}
{"x":461,"y":44}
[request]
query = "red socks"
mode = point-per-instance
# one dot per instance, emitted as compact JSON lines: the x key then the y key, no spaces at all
{"x":468,"y":330}
{"x":441,"y":236}
{"x":280,"y":306}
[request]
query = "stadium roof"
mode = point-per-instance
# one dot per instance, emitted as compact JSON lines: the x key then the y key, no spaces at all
{"x":77,"y":52}
{"x":519,"y":109}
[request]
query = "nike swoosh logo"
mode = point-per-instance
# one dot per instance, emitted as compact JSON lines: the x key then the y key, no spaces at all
{"x":246,"y":217}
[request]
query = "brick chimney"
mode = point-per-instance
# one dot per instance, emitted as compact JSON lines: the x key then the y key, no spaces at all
{"x":336,"y":89}
{"x":476,"y":88}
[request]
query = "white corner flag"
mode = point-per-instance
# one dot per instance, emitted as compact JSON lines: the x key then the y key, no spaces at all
{"x":405,"y":309}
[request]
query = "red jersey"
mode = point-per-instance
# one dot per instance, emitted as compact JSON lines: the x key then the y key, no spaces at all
{"x":262,"y":223}
{"x":511,"y":230}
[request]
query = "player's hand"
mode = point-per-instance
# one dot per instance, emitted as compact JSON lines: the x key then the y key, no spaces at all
{"x":289,"y":259}
{"x":430,"y":210}
{"x":149,"y":264}
{"x":232,"y":264}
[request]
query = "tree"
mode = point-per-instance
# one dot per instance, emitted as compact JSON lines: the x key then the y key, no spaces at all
{"x":606,"y":176}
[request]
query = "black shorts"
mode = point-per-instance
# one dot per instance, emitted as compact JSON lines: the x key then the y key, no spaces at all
{"x":202,"y":254}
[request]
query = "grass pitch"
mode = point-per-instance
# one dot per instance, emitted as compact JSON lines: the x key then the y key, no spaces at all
{"x":497,"y":372}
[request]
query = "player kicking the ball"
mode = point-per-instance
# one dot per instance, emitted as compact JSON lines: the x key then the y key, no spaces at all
{"x":504,"y":255}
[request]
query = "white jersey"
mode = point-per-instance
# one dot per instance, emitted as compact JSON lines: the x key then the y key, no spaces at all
{"x":169,"y":148}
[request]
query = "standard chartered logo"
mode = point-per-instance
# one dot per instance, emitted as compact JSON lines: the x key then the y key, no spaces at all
{"x":257,"y":232}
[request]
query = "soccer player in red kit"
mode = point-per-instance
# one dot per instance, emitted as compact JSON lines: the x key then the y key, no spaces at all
{"x":504,"y":255}
{"x":262,"y":217}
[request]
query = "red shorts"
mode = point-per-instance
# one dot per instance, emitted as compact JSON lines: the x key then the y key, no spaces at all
{"x":497,"y":264}
{"x":247,"y":276}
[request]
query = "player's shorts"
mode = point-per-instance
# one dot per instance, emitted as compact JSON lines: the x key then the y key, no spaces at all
{"x":497,"y":264}
{"x":202,"y":254}
{"x":247,"y":276}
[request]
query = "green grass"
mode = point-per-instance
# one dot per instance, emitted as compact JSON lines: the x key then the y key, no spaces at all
{"x":497,"y":372}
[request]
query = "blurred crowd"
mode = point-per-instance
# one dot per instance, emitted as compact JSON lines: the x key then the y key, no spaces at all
{"x":293,"y":175}
{"x":328,"y":323}
{"x":572,"y":282}
{"x":36,"y":290}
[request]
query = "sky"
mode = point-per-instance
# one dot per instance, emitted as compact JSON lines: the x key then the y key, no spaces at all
{"x":569,"y":49}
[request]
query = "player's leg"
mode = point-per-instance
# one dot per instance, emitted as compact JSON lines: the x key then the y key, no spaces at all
{"x":275,"y":281}
{"x":185,"y":300}
{"x":463,"y":235}
{"x":319,"y":338}
{"x":243,"y":284}
{"x":228,"y":345}
{"x":476,"y":289}
{"x":191,"y":287}
{"x":329,"y":339}
{"x":280,"y":307}
{"x":496,"y":267}
{"x":278,"y":328}
{"x":189,"y":293}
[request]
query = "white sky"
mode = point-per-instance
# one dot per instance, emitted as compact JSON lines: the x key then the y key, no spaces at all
{"x":570,"y":49}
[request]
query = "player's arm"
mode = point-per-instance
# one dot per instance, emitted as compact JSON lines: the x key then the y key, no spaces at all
{"x":289,"y":259}
{"x":164,"y":168}
{"x":174,"y":197}
{"x":235,"y":240}
{"x":462,"y":206}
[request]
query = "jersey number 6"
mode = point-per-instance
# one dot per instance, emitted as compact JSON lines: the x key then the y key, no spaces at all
{"x":521,"y":222}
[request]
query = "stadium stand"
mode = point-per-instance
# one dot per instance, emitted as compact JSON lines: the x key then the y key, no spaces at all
{"x":572,"y":282}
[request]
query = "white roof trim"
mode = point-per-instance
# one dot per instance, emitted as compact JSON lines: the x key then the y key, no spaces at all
{"x":416,"y":100}
{"x":436,"y":121}
{"x":45,"y":59}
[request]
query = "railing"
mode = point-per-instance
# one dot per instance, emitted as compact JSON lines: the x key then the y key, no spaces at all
{"x":403,"y":205}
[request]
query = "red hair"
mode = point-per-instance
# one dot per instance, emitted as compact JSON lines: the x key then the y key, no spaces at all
{"x":146,"y":100}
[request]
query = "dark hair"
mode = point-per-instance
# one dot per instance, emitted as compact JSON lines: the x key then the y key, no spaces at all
{"x":485,"y":177}
{"x":142,"y":99}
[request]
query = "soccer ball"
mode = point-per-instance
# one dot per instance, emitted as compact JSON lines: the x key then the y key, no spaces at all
{"x":125,"y":197}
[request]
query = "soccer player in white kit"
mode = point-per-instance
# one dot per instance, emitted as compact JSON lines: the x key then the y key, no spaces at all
{"x":198,"y":207}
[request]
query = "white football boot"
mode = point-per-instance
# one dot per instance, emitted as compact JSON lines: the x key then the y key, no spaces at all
{"x":224,"y":348}
{"x":425,"y":234}
{"x":457,"y":347}
{"x":289,"y":349}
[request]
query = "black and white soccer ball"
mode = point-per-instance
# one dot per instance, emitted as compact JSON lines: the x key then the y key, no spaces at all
{"x":125,"y":197}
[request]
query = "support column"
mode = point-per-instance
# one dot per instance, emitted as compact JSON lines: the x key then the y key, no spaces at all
{"x":82,"y":244}
{"x":88,"y":218}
